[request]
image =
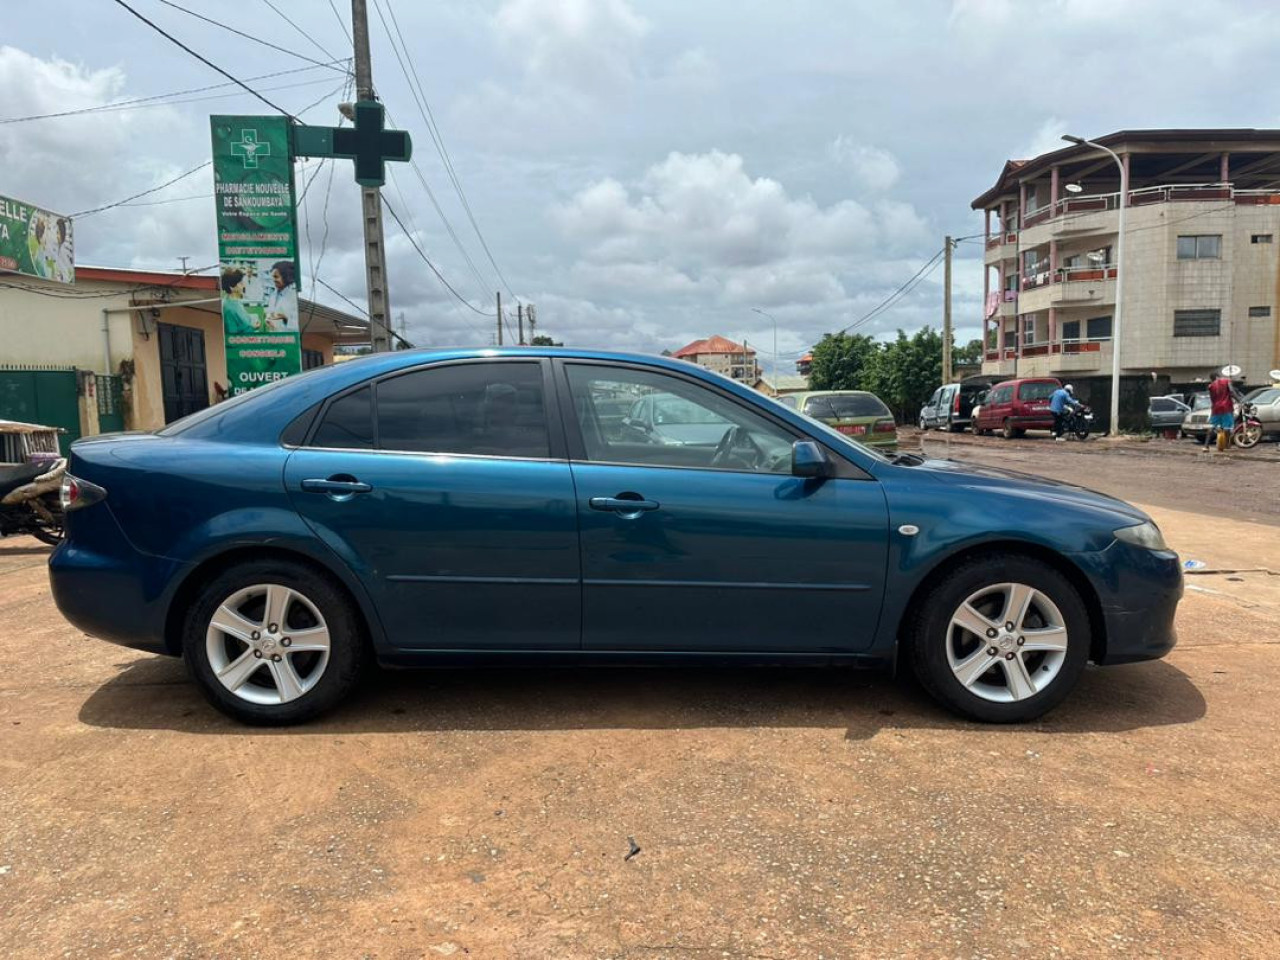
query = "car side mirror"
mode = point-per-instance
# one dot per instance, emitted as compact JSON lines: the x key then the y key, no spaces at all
{"x":809,"y":459}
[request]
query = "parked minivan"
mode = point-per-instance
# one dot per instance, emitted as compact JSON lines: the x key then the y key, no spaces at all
{"x":1016,"y":406}
{"x":951,"y":406}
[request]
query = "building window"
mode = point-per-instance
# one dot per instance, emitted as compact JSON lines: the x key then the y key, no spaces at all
{"x":312,"y":359}
{"x":1260,"y":238}
{"x":1028,"y":330}
{"x":1197,"y":323}
{"x":1259,"y":312}
{"x":1203,"y":247}
{"x":1071,"y":331}
{"x":1099,"y":328}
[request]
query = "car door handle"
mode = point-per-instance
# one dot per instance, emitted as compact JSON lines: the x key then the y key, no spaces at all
{"x":622,"y":505}
{"x":336,"y":486}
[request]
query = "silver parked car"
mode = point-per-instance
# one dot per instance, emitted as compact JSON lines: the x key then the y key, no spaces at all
{"x":1196,"y":423}
{"x":1266,"y":403}
{"x":1167,"y":413}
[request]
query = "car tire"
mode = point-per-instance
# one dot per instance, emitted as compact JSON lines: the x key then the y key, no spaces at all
{"x":923,"y":425}
{"x":308,"y":662}
{"x":1016,"y":685}
{"x":1007,"y":431}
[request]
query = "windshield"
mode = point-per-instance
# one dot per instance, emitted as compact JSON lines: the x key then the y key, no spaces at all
{"x":840,"y":405}
{"x":1263,"y":395}
{"x":1201,"y":401}
{"x":674,"y":410}
{"x":200,"y":416}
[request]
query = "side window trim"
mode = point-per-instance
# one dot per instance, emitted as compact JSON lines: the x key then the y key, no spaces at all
{"x":576,"y":448}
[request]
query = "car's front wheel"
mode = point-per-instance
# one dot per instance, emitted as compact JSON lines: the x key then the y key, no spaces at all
{"x":1000,"y":639}
{"x":273,"y":642}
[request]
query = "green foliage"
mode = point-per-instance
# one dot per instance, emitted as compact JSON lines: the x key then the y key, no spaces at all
{"x":971,"y":352}
{"x":839,"y":361}
{"x":903,"y":372}
{"x":542,"y":340}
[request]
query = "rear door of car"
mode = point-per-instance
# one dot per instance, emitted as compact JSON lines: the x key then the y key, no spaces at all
{"x":1032,"y":400}
{"x":997,"y":407}
{"x":446,"y":489}
{"x":731,"y":558}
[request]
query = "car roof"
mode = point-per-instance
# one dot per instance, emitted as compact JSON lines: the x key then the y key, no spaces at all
{"x":1005,"y":383}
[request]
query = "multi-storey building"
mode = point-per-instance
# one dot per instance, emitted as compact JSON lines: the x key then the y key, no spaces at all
{"x":723,"y":356}
{"x":1200,"y":270}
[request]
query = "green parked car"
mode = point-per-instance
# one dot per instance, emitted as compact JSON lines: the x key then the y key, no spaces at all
{"x":855,"y":413}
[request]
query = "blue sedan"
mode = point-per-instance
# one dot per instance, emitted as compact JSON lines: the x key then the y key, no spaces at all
{"x":422,"y":508}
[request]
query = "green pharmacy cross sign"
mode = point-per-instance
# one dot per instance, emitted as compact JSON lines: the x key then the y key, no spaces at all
{"x":367,"y":142}
{"x":248,"y":148}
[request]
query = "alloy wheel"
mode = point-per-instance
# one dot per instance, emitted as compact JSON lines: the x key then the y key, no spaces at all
{"x":1006,"y":642}
{"x":267,"y":644}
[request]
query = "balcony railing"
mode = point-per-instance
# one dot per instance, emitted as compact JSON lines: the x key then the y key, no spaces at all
{"x":997,"y":239}
{"x":1105,"y":271}
{"x":1067,"y":346}
{"x":1163,"y":193}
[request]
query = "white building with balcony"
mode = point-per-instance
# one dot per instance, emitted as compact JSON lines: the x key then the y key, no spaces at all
{"x":1200,"y":258}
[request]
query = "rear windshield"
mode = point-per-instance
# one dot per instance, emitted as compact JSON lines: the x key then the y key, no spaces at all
{"x":1037,"y":391}
{"x":842,"y":405}
{"x":1201,"y":401}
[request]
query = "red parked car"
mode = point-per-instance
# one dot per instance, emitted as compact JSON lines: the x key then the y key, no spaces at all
{"x":1016,"y":406}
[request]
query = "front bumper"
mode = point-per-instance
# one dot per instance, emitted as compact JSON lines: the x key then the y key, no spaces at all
{"x":1139,"y":590}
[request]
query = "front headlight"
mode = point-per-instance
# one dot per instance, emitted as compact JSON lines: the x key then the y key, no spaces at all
{"x":1146,"y":535}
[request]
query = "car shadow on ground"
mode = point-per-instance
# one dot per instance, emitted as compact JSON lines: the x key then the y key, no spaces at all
{"x":156,"y":694}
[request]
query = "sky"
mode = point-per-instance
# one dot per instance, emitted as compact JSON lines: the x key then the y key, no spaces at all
{"x":644,"y":173}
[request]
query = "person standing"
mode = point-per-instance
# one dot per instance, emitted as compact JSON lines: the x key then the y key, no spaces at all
{"x":1222,"y":414}
{"x":1062,"y":399}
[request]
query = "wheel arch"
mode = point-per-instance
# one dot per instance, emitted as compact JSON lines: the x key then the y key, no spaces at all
{"x":186,"y":591}
{"x":1004,"y":548}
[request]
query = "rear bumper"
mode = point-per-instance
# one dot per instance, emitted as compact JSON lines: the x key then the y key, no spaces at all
{"x":118,"y":594}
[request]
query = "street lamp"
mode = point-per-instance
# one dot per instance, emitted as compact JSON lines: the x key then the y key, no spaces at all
{"x":1115,"y":320}
{"x":775,"y":343}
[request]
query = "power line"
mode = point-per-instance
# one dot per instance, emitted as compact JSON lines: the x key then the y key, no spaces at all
{"x":424,"y":106}
{"x":205,"y":60}
{"x":249,"y":36}
{"x":167,"y":183}
{"x":395,"y":216}
{"x":917,"y":278}
{"x":342,"y":24}
{"x":314,"y":41}
{"x":157,"y":99}
{"x":355,"y":306}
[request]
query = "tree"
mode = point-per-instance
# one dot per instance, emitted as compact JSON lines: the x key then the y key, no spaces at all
{"x":542,"y":340}
{"x":906,"y":371}
{"x":840,"y":360}
{"x":971,"y":352}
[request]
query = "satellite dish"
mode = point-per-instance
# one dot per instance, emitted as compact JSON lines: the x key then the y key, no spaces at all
{"x":1073,"y":188}
{"x":1232,"y":371}
{"x":1275,"y":376}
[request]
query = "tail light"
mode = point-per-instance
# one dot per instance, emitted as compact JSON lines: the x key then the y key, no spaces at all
{"x":885,"y":426}
{"x":77,"y":493}
{"x":956,"y":408}
{"x":852,"y":429}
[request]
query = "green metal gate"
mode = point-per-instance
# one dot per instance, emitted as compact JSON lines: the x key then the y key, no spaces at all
{"x":44,"y":395}
{"x":110,"y":403}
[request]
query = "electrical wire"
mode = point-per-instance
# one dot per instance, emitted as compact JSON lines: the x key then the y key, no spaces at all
{"x":355,"y":306}
{"x":167,"y":183}
{"x":205,"y":60}
{"x":342,"y":24}
{"x":395,"y":216}
{"x":314,"y":41}
{"x":916,"y":279}
{"x":159,"y":98}
{"x":249,"y":36}
{"x":424,"y":106}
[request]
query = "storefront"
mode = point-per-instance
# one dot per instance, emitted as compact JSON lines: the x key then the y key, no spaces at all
{"x":147,"y":346}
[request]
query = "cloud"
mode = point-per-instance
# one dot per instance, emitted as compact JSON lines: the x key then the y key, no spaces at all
{"x":873,"y":169}
{"x":579,"y":44}
{"x":1047,"y":138}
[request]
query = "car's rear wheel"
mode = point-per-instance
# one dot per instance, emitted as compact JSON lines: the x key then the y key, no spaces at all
{"x":273,"y":642}
{"x":1000,"y":639}
{"x":1006,"y":429}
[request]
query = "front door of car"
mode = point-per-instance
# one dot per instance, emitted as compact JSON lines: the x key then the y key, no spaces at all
{"x":446,"y":491}
{"x":709,"y":543}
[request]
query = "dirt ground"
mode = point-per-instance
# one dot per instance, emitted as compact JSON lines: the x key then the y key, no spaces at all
{"x":778,"y":813}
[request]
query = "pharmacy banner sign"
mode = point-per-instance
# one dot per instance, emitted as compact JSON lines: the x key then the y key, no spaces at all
{"x":35,"y":242}
{"x":258,"y":249}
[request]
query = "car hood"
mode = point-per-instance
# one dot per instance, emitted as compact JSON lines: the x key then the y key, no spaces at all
{"x":998,"y":480}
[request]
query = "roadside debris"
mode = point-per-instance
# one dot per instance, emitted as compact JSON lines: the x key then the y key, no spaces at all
{"x":635,"y":848}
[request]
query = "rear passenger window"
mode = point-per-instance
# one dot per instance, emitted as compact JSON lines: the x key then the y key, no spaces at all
{"x":348,"y":423}
{"x":482,"y":409}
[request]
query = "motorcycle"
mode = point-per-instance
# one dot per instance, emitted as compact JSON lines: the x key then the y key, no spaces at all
{"x":1248,"y":429}
{"x":30,"y":500}
{"x":1078,"y":422}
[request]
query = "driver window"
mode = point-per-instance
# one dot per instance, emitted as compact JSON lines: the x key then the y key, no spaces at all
{"x":691,"y":425}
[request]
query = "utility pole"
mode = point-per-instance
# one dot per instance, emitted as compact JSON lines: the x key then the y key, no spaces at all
{"x":520,"y":321}
{"x":499,"y":318}
{"x":533,"y":323}
{"x":184,"y":264}
{"x":948,"y":244}
{"x":375,"y":254}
